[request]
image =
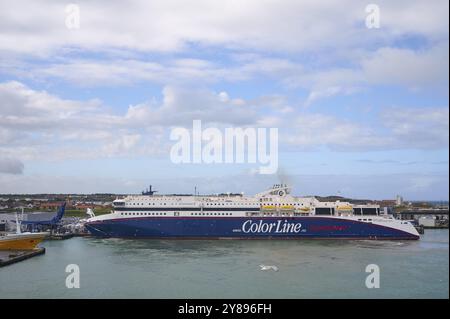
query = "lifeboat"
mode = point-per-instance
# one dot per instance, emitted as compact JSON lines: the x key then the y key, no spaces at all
{"x":344,"y":207}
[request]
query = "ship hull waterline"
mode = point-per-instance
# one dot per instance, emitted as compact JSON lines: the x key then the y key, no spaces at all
{"x":245,"y":228}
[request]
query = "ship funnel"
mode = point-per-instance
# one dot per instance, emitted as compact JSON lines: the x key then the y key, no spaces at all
{"x":277,"y":189}
{"x":148,"y":191}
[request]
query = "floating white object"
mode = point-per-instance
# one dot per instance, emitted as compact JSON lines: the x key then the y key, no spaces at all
{"x":264,"y":267}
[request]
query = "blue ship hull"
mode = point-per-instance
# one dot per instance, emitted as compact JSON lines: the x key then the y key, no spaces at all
{"x":243,"y":228}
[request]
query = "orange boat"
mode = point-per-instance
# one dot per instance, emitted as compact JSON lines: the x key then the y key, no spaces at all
{"x":21,"y":241}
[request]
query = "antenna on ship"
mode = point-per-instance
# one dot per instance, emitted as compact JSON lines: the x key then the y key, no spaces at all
{"x":19,"y":223}
{"x":149,"y":191}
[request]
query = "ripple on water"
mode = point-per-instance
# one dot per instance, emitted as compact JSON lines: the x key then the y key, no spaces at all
{"x":130,"y":268}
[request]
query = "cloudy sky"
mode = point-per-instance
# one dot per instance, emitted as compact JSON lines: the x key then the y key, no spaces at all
{"x":361,"y":112}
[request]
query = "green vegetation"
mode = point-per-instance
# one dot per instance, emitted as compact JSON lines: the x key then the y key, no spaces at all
{"x":400,"y":208}
{"x":82,"y":213}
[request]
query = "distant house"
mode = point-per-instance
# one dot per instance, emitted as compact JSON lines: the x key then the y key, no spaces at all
{"x":84,"y":206}
{"x":48,"y":206}
{"x":6,"y":221}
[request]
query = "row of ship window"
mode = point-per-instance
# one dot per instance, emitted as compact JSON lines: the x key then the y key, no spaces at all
{"x":283,"y":204}
{"x":220,"y":204}
{"x":228,"y":204}
{"x":275,"y":214}
{"x":207,"y":204}
{"x":141,"y":214}
{"x":212,"y":214}
{"x":164,"y":214}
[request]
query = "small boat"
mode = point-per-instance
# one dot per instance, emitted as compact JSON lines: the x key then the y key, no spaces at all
{"x":21,"y":241}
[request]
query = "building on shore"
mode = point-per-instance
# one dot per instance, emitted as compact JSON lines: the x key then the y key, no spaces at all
{"x":428,"y":217}
{"x":428,"y":221}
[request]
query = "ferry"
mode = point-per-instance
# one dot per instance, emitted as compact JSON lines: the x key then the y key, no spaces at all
{"x":272,"y":214}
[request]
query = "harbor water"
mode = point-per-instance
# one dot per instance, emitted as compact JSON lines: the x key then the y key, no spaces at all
{"x":119,"y":268}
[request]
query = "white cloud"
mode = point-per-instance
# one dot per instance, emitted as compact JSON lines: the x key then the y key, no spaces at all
{"x":387,"y":65}
{"x":422,"y":183}
{"x":315,"y":95}
{"x":427,"y":18}
{"x":311,"y":131}
{"x":398,"y":128}
{"x":11,"y":166}
{"x":324,"y":48}
{"x":406,"y":67}
{"x":20,"y":101}
{"x":180,"y":106}
{"x":413,"y":69}
{"x":36,"y":124}
{"x":177,"y":71}
{"x":425,"y":128}
{"x":121,"y":146}
{"x":141,"y":25}
{"x":39,"y":125}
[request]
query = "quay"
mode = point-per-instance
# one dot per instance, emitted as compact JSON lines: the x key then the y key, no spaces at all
{"x":9,"y":257}
{"x":66,"y":236}
{"x":427,"y":218}
{"x":60,"y":236}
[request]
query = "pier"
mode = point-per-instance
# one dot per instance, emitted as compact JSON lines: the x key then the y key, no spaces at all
{"x":9,"y":257}
{"x":63,"y":236}
{"x":60,"y":236}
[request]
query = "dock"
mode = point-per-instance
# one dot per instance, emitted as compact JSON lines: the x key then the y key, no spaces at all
{"x":9,"y":257}
{"x":66,"y":236}
{"x":60,"y":236}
